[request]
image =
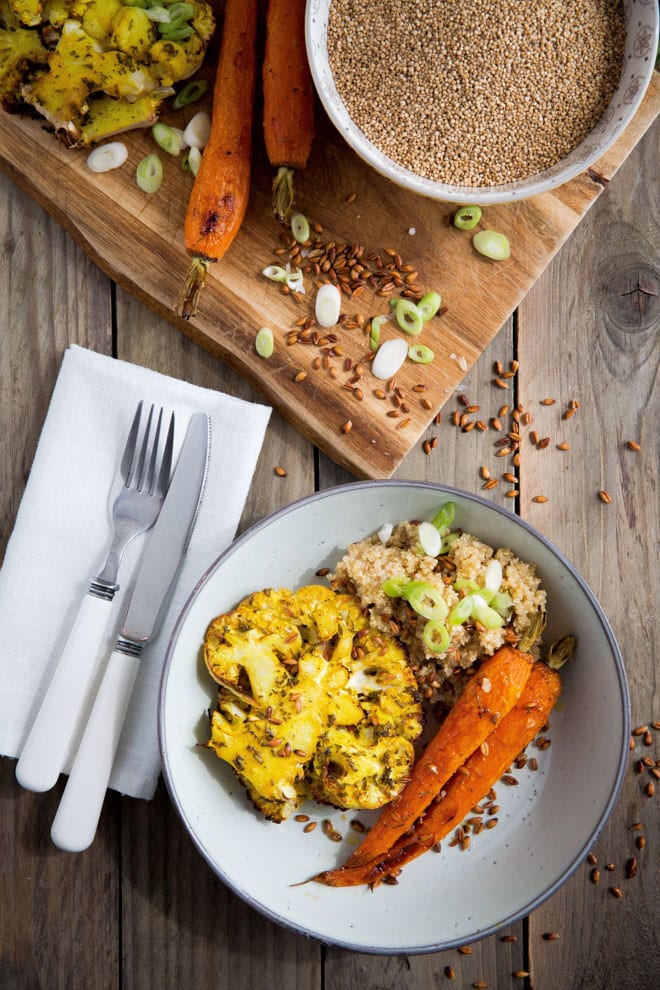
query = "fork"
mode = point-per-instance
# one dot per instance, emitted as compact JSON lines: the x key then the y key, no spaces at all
{"x":145,"y":476}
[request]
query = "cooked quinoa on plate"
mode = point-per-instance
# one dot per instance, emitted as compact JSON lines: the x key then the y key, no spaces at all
{"x":450,"y":608}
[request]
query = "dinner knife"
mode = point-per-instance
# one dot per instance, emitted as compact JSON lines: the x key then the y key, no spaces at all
{"x":75,"y":823}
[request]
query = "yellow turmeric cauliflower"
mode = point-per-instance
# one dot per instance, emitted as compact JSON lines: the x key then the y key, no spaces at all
{"x":311,"y":702}
{"x":95,"y":68}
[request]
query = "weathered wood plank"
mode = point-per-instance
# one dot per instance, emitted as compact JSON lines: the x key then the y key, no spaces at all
{"x":56,"y":929}
{"x":589,"y":330}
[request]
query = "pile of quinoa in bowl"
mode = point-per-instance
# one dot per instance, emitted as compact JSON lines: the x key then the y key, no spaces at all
{"x":369,"y":564}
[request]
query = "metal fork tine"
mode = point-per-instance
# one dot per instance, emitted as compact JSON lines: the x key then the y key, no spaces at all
{"x":129,"y":450}
{"x":166,"y":465}
{"x":151,"y":472}
{"x":141,"y":468}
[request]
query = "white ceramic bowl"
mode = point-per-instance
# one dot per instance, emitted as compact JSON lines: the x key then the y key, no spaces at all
{"x":547,"y":824}
{"x":639,"y":56}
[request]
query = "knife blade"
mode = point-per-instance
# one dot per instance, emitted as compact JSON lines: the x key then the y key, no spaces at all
{"x":75,"y":823}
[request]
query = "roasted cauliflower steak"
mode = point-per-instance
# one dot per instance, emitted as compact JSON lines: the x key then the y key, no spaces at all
{"x":95,"y":68}
{"x":312,"y":703}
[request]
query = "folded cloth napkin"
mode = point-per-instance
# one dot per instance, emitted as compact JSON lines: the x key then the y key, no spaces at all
{"x":63,"y":526}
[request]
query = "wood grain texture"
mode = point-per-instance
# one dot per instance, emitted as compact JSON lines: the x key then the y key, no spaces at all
{"x":116,"y":224}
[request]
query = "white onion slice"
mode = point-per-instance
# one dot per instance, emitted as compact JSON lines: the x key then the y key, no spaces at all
{"x":385,"y":532}
{"x":183,"y":144}
{"x":328,"y":305}
{"x":429,"y":539}
{"x":196,"y":131}
{"x":389,"y":358}
{"x":107,"y":156}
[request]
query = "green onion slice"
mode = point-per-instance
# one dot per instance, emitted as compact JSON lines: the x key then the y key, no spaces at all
{"x":492,"y":245}
{"x":420,"y":354}
{"x":166,"y":138}
{"x":274,"y":273}
{"x":426,"y":600}
{"x":429,"y":305}
{"x":408,"y":317}
{"x":467,"y":217}
{"x":264,"y":343}
{"x":466,"y":584}
{"x":300,"y":228}
{"x":158,"y":14}
{"x":447,"y":540}
{"x":374,"y":331}
{"x":149,"y":174}
{"x":436,"y":636}
{"x":177,"y":33}
{"x":484,"y":614}
{"x":190,"y":93}
{"x":444,"y":517}
{"x":429,"y":539}
{"x":181,"y":10}
{"x":194,"y":160}
{"x":461,"y":612}
{"x":501,"y":601}
{"x":395,"y":587}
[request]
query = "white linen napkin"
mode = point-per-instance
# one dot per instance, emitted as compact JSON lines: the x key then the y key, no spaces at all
{"x":63,"y":525}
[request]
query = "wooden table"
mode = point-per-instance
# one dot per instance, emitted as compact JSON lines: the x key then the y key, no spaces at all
{"x":141,"y":908}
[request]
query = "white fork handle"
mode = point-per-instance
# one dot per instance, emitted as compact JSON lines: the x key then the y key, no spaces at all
{"x":74,"y":825}
{"x":67,"y":698}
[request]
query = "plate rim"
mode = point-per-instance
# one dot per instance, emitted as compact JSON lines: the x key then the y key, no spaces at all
{"x":247,"y":897}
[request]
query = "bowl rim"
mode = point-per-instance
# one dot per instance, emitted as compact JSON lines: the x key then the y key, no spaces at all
{"x":273,"y":518}
{"x":535,"y":184}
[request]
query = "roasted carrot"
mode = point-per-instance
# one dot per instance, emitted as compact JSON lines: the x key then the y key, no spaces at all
{"x":219,"y":196}
{"x":487,"y":697}
{"x":288,"y":97}
{"x":467,"y":786}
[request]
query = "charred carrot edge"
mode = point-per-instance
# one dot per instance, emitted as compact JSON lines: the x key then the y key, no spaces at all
{"x":488,"y":696}
{"x":288,"y":97}
{"x":468,"y":786}
{"x":219,"y":196}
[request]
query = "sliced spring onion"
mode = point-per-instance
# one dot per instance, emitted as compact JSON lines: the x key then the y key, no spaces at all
{"x":181,"y":10}
{"x":465,"y":584}
{"x":385,"y":532}
{"x":389,"y":358}
{"x":492,"y":245}
{"x":196,"y":131}
{"x":395,"y":587}
{"x":274,"y":273}
{"x":408,"y":317}
{"x":426,"y":600}
{"x":444,"y":517}
{"x":484,"y":614}
{"x":194,"y":160}
{"x":374,"y":331}
{"x":420,"y":354}
{"x":461,"y":612}
{"x":327,"y":305}
{"x":467,"y":217}
{"x":107,"y":156}
{"x":149,"y":174}
{"x":300,"y":228}
{"x":178,"y":34}
{"x":436,"y":636}
{"x":295,"y":279}
{"x":501,"y":601}
{"x":429,"y":305}
{"x":447,"y":540}
{"x":158,"y":14}
{"x":190,"y":93}
{"x":493,"y":575}
{"x":166,"y":138}
{"x":264,"y":343}
{"x":429,"y":539}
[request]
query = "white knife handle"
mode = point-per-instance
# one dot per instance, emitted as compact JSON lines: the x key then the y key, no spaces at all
{"x":66,"y":699}
{"x":74,"y":825}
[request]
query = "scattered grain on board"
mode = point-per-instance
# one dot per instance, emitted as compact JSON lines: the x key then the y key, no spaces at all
{"x":458,"y":116}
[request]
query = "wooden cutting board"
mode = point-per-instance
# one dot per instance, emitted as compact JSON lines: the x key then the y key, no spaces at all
{"x":137,"y":240}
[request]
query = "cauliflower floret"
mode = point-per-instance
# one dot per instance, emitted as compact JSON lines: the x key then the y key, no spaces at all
{"x":311,"y":702}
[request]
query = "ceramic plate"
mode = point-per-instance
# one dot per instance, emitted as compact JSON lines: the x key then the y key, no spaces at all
{"x":547,"y":823}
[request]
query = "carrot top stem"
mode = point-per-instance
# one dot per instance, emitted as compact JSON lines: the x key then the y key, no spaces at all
{"x":193,"y":287}
{"x":283,"y":192}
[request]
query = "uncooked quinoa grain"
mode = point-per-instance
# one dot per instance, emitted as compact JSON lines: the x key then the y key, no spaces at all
{"x":479,"y":92}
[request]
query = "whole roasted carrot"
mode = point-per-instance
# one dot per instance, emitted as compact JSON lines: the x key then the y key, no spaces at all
{"x":487,"y":697}
{"x":219,"y":197}
{"x":288,"y":97}
{"x":468,"y":786}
